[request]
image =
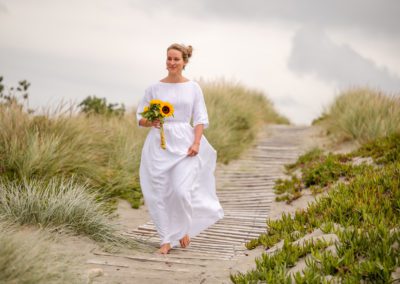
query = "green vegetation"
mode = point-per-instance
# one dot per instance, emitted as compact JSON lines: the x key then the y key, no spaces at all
{"x":362,"y":115}
{"x":103,"y":152}
{"x":317,"y":172}
{"x":236,"y":113}
{"x":27,"y":259}
{"x":362,"y":208}
{"x":57,"y":205}
{"x":96,"y":106}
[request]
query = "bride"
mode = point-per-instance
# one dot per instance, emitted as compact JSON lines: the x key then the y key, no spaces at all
{"x":178,"y":183}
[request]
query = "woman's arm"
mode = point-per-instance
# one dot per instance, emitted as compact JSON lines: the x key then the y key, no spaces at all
{"x":198,"y":132}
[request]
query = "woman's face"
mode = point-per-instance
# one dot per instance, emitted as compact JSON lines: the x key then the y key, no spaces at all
{"x":175,"y":61}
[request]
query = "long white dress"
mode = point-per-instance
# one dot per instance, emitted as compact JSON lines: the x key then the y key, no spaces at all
{"x":179,"y":190}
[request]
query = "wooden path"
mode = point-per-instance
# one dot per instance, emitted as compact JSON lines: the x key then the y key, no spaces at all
{"x":245,"y":190}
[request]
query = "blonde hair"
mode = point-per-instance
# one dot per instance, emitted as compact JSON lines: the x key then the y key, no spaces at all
{"x":185,"y":50}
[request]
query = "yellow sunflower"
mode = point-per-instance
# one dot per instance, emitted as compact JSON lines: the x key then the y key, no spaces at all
{"x":155,"y":102}
{"x":146,"y":108}
{"x":166,"y":109}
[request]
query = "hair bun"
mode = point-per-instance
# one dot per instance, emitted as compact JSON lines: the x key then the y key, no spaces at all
{"x":189,"y":49}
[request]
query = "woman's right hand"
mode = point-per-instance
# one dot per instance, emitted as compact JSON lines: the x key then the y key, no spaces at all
{"x":146,"y":123}
{"x":156,"y":123}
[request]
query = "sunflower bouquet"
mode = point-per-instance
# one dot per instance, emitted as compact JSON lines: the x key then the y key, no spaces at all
{"x":158,"y":110}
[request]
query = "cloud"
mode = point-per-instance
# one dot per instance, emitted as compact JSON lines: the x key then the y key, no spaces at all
{"x":313,"y":52}
{"x":371,"y":16}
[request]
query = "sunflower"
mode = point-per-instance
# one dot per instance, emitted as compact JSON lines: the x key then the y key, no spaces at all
{"x":146,"y":108}
{"x":166,"y":109}
{"x":155,"y":102}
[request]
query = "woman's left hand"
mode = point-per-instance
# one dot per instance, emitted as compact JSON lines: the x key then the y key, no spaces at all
{"x":193,"y":150}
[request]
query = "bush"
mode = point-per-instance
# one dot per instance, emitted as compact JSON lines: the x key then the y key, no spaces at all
{"x":93,"y":105}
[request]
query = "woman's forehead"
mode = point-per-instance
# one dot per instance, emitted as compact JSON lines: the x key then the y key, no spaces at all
{"x":174,"y":53}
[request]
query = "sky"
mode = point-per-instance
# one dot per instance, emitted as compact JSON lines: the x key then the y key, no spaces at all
{"x":300,"y":54}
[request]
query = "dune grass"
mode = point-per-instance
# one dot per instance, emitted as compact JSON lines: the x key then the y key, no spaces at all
{"x":57,"y":205}
{"x":361,"y":207}
{"x":103,"y":152}
{"x":27,"y":259}
{"x":362,"y":114}
{"x":236,"y":114}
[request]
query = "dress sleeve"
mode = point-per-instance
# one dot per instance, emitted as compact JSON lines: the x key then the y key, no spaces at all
{"x":145,"y":101}
{"x":200,"y":115}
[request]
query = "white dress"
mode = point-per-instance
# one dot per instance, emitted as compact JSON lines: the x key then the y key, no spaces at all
{"x":179,"y":190}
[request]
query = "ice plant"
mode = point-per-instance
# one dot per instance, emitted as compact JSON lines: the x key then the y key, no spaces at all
{"x":158,"y":110}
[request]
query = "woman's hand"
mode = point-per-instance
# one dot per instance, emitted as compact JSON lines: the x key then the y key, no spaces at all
{"x":146,"y":123}
{"x":156,"y":123}
{"x":194,"y":149}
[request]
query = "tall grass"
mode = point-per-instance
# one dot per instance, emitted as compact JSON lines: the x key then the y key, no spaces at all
{"x":59,"y":205}
{"x":363,"y":114}
{"x":236,"y":114}
{"x":104,"y":152}
{"x":26,"y":258}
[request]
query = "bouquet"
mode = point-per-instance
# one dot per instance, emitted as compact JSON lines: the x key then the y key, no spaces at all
{"x":158,"y":110}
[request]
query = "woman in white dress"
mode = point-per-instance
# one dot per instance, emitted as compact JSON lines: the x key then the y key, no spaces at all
{"x":178,"y":183}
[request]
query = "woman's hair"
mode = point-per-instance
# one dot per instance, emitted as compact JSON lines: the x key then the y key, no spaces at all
{"x":185,"y":50}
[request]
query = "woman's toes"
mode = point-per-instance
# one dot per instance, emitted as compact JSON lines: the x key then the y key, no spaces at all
{"x":164,"y":249}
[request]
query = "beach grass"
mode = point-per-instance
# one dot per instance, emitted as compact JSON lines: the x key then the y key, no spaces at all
{"x":103,"y":152}
{"x":236,"y":114}
{"x":362,"y":115}
{"x":58,"y":205}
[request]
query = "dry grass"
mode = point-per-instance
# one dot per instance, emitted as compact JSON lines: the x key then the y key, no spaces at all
{"x":104,"y":152}
{"x":57,"y":205}
{"x":362,"y":114}
{"x":236,"y":113}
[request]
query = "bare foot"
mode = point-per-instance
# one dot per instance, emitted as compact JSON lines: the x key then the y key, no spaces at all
{"x":165,"y":248}
{"x":185,"y":241}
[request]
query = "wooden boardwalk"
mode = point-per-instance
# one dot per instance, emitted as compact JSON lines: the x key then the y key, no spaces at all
{"x":245,"y":190}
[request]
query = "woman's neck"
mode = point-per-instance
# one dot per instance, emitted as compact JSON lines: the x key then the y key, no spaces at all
{"x":178,"y":78}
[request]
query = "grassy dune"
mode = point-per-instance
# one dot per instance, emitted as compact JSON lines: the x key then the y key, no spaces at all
{"x":236,"y":113}
{"x":57,"y":205}
{"x":103,"y":152}
{"x":361,"y":208}
{"x":362,"y":114}
{"x":358,"y":217}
